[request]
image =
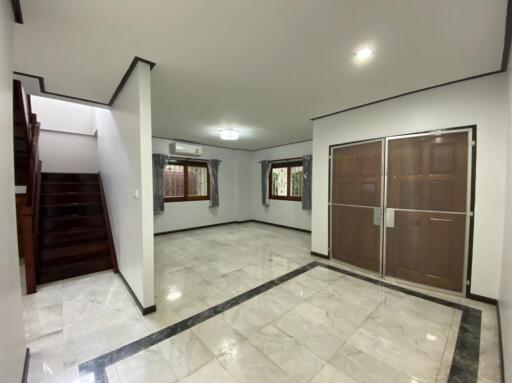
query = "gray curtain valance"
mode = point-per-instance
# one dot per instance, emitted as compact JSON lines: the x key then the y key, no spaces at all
{"x":159,"y":161}
{"x":213,"y":166}
{"x":307,"y":173}
{"x":265,"y":167}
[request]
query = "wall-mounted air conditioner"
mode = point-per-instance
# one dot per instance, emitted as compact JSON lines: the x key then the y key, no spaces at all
{"x":183,"y":149}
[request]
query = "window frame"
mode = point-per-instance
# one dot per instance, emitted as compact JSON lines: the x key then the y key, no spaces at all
{"x":186,"y":163}
{"x":288,"y":165}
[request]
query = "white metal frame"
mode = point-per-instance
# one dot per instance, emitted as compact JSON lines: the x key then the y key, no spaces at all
{"x":384,"y":191}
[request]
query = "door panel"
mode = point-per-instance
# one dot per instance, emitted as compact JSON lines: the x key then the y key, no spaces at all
{"x":428,"y":172}
{"x":356,"y":240}
{"x":357,"y":174}
{"x":357,"y":182}
{"x":427,"y":248}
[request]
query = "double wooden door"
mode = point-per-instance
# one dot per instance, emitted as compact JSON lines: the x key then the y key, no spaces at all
{"x":399,"y":207}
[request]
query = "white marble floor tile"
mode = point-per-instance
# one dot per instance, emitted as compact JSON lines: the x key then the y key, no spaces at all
{"x":218,"y":335}
{"x":146,"y":366}
{"x":213,"y":372}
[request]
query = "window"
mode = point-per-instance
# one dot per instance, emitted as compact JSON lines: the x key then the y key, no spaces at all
{"x":186,"y":180}
{"x":285,"y":181}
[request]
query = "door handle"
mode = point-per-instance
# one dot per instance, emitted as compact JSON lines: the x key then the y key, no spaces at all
{"x":390,"y":217}
{"x":377,"y":216}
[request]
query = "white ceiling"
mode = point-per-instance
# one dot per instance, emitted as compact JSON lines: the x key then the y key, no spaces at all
{"x":267,"y":66}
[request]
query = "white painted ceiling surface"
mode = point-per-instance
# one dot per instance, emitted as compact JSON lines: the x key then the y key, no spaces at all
{"x":267,"y":66}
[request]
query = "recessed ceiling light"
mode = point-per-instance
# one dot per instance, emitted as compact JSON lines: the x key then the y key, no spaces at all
{"x":364,"y":54}
{"x":229,"y":134}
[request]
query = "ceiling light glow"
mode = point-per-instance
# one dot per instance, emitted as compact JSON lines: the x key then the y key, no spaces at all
{"x":229,"y":134}
{"x":364,"y":54}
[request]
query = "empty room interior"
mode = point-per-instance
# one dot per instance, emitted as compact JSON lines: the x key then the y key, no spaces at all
{"x":242,"y":191}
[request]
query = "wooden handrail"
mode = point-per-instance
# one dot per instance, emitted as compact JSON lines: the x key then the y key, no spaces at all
{"x":30,"y":212}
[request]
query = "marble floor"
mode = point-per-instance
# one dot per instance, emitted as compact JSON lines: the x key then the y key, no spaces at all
{"x":219,"y":319}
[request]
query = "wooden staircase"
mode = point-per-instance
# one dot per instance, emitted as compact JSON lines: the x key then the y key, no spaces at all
{"x":64,"y":229}
{"x":74,"y":235}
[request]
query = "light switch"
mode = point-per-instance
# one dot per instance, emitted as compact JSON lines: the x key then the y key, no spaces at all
{"x":136,"y":193}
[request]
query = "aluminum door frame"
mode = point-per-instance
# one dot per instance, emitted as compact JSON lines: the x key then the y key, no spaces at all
{"x":331,"y":204}
{"x":468,"y":213}
{"x":384,"y":186}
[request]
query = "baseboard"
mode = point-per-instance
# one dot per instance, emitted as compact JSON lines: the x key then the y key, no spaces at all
{"x":143,"y":310}
{"x":278,"y":225}
{"x":480,"y":298}
{"x":500,"y":336}
{"x":198,"y":227}
{"x":314,"y":253}
{"x":230,"y":223}
{"x":24,"y":377}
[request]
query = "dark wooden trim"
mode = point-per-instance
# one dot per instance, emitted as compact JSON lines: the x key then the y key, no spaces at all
{"x":231,"y":223}
{"x":508,"y":38}
{"x":500,"y":336}
{"x":406,"y":94}
{"x":472,"y":207}
{"x":111,"y":244}
{"x":143,"y":310}
{"x":26,"y":364}
{"x":185,"y":162}
{"x":126,"y":76}
{"x":198,"y":227}
{"x":225,"y":147}
{"x":480,"y":298}
{"x":314,"y":253}
{"x":119,"y":88}
{"x":16,"y":9}
{"x":288,"y":164}
{"x":282,"y":226}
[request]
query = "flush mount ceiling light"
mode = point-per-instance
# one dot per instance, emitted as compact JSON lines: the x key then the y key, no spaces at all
{"x":363,"y":55}
{"x":229,"y":134}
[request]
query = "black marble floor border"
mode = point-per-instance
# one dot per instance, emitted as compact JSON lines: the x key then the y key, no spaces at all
{"x":464,"y":366}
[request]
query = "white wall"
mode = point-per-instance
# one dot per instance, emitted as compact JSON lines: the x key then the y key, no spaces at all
{"x":288,"y":213}
{"x":124,"y":149}
{"x":63,"y":116}
{"x":63,"y":152}
{"x":12,"y":332}
{"x":505,"y":297}
{"x":234,"y":192}
{"x":482,"y":102}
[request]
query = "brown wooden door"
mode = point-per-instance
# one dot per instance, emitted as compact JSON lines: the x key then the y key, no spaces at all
{"x":356,"y":192}
{"x":426,"y":194}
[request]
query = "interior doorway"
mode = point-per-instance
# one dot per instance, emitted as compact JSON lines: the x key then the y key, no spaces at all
{"x":400,"y":206}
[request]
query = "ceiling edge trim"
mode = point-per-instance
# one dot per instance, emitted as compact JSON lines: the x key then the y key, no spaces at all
{"x":508,"y":38}
{"x":119,"y":88}
{"x":16,"y":8}
{"x":224,"y":147}
{"x":406,"y":94}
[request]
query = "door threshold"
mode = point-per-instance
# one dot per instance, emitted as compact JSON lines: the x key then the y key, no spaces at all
{"x":395,"y":281}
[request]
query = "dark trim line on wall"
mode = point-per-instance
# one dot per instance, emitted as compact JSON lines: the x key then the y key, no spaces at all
{"x":143,"y":310}
{"x":500,"y":336}
{"x":119,"y":88}
{"x":16,"y":8}
{"x":225,"y":147}
{"x":405,"y":94}
{"x":481,"y":298}
{"x":231,"y":223}
{"x":314,"y":253}
{"x":508,"y":38}
{"x":26,"y":364}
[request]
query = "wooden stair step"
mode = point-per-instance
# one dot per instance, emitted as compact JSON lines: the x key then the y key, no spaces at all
{"x":70,"y":237}
{"x":50,"y":255}
{"x":86,"y":265}
{"x":71,"y":222}
{"x":69,"y":187}
{"x":70,"y":177}
{"x":71,"y":209}
{"x":48,"y":199}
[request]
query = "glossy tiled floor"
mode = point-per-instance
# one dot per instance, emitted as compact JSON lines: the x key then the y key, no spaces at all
{"x":321,"y":326}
